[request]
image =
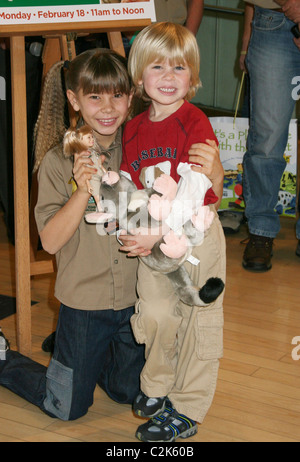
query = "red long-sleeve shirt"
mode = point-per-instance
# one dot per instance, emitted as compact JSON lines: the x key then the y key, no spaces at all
{"x":147,"y":143}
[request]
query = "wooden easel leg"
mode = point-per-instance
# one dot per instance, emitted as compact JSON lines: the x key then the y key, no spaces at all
{"x":21,"y":200}
{"x":51,"y":54}
{"x":115,"y":42}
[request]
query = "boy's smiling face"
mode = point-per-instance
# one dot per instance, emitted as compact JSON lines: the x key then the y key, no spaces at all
{"x":166,"y":83}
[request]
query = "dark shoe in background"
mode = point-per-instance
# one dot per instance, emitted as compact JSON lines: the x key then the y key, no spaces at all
{"x":48,"y":343}
{"x":298,"y":249}
{"x":258,"y":254}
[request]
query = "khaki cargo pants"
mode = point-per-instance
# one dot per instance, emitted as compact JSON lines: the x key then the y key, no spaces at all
{"x":183,"y":343}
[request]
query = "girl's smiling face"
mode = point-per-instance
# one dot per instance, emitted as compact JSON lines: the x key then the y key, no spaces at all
{"x":104,"y":112}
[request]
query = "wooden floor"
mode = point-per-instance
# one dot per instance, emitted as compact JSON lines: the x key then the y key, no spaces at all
{"x":258,"y":393}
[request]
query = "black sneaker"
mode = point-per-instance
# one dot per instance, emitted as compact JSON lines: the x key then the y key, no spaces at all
{"x":298,"y":249}
{"x":167,"y":427}
{"x":143,"y":406}
{"x":258,"y":254}
{"x":4,"y":345}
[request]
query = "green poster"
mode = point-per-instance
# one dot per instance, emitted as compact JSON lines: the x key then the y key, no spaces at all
{"x":41,"y":3}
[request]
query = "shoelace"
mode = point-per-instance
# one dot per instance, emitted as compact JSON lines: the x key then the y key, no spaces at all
{"x":258,"y":241}
{"x":261,"y":242}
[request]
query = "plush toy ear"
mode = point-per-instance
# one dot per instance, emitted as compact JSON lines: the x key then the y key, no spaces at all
{"x":142,"y":177}
{"x":138,"y":199}
{"x":166,"y":186}
{"x":98,"y":217}
{"x":110,"y":178}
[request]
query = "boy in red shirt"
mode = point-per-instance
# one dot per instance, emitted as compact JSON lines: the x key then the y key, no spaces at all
{"x":183,"y":343}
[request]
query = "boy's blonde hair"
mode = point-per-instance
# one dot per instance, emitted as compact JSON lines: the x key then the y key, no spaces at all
{"x":162,"y":41}
{"x":94,"y":71}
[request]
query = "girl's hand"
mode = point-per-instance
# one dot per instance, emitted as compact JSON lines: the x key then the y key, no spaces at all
{"x":83,"y":170}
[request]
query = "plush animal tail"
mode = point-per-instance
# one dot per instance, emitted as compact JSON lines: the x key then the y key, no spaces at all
{"x":189,"y":294}
{"x":211,"y":290}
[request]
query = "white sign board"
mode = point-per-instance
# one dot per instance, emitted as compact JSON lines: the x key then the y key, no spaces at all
{"x":232,"y":139}
{"x":14,"y":12}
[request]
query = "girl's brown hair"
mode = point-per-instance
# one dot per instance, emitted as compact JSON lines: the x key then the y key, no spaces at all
{"x":94,"y":71}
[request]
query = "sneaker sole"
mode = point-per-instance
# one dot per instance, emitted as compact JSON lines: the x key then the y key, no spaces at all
{"x":256,"y":268}
{"x":187,"y":434}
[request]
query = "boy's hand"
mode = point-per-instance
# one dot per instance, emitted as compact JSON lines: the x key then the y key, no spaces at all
{"x":208,"y":158}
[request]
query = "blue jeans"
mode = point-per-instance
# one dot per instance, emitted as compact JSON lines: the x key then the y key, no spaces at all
{"x":90,"y":347}
{"x":273,"y":60}
{"x":298,"y":222}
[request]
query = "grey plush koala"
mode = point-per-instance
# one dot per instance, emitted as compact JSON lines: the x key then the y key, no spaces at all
{"x":130,"y":207}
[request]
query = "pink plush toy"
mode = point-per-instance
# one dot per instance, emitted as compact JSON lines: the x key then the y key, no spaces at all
{"x":143,"y":211}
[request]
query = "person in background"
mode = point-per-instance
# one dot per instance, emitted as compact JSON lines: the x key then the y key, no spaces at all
{"x":272,"y":61}
{"x":186,"y":12}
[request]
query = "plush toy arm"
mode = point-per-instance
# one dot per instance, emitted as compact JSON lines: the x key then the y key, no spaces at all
{"x":110,"y":178}
{"x":138,"y":199}
{"x":203,"y":220}
{"x":98,"y":217}
{"x":174,"y":246}
{"x":159,"y":208}
{"x":166,"y":186}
